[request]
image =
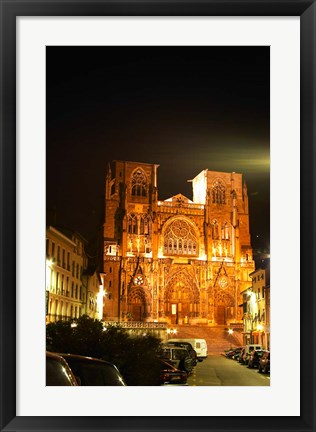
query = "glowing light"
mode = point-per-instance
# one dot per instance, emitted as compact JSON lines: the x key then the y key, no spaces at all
{"x":259,"y":327}
{"x":101,"y":294}
{"x":173,"y":331}
{"x":49,"y":263}
{"x":49,"y":271}
{"x":230,"y":331}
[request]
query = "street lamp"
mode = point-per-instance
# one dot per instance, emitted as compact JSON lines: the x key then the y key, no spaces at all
{"x":230,"y":332}
{"x":172,"y":331}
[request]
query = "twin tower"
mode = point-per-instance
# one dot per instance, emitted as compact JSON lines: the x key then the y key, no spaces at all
{"x":178,"y":260}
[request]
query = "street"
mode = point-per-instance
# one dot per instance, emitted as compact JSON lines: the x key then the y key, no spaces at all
{"x":217,"y":370}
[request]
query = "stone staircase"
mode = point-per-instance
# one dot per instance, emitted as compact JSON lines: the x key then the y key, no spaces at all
{"x":217,"y":338}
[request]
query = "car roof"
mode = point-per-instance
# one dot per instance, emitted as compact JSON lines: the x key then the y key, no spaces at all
{"x":53,"y":355}
{"x":177,"y":345}
{"x":174,"y":347}
{"x":84,"y":358}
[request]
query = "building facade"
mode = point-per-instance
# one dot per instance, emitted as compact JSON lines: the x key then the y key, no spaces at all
{"x":66,"y":295}
{"x":256,"y":309}
{"x":178,"y":261}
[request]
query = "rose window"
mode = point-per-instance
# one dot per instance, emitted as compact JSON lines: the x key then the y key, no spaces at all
{"x":180,"y":239}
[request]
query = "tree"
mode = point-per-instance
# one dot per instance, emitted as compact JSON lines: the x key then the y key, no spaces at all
{"x":135,"y":356}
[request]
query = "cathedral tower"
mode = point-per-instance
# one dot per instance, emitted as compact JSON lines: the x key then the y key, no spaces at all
{"x":177,"y":260}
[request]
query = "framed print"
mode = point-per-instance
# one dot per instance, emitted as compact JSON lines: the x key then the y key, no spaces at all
{"x":38,"y":65}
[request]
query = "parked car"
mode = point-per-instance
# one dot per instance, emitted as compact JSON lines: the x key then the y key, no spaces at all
{"x":231,"y":353}
{"x":93,"y":372}
{"x":178,"y":357}
{"x":237,"y":354}
{"x":187,"y":346}
{"x":248,"y":349}
{"x":199,"y":345}
{"x":170,"y":375}
{"x":264,"y":363}
{"x":241,"y":355}
{"x":58,"y":373}
{"x":254,"y":358}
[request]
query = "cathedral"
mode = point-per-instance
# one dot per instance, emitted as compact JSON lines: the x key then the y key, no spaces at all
{"x":177,"y":261}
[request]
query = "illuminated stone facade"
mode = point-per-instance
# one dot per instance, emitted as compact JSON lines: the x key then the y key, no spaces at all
{"x":65,"y":262}
{"x":73,"y":288}
{"x":178,"y":261}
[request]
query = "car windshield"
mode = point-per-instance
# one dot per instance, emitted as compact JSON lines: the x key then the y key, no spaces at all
{"x":56,"y":374}
{"x":95,"y":374}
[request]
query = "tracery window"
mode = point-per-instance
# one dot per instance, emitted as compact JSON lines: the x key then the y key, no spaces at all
{"x":138,"y":224}
{"x":132,"y":223}
{"x":218,"y":192}
{"x":225,"y":231}
{"x":144,"y":224}
{"x":139,"y":183}
{"x":180,"y":239}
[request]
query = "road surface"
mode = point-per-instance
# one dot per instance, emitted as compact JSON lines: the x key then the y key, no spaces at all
{"x":217,"y":370}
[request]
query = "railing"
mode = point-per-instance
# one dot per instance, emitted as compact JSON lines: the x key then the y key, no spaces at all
{"x":137,"y":324}
{"x":173,"y":207}
{"x":55,"y":317}
{"x":237,"y":326}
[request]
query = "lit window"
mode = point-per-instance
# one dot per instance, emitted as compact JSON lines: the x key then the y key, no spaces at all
{"x":218,"y":192}
{"x":144,"y":224}
{"x":225,"y":231}
{"x":139,"y":183}
{"x":139,"y":225}
{"x":132,"y":224}
{"x":180,"y":239}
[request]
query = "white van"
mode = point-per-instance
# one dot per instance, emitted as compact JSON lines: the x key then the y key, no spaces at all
{"x":199,"y":345}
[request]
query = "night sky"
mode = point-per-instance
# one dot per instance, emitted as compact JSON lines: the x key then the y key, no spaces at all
{"x":185,"y":108}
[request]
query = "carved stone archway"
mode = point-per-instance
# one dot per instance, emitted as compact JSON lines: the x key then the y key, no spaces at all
{"x":181,"y":296}
{"x":138,"y":304}
{"x":223,"y":306}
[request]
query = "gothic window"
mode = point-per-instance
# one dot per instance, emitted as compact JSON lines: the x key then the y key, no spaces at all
{"x":218,"y":192}
{"x":144,"y":224}
{"x":138,"y":225}
{"x":139,"y":183}
{"x":225,"y":231}
{"x":215,"y":234}
{"x":132,"y":224}
{"x":180,"y":239}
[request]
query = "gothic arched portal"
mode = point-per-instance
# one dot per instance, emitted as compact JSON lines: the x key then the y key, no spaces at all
{"x":223,"y":307}
{"x":138,"y":304}
{"x":181,"y":297}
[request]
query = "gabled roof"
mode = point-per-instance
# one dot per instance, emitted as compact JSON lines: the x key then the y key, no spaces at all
{"x":179,"y":198}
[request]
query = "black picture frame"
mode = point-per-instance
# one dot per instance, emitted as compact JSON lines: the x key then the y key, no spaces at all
{"x":306,"y":10}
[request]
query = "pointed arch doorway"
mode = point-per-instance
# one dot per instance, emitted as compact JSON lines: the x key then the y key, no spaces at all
{"x":182,"y":299}
{"x":138,"y":306}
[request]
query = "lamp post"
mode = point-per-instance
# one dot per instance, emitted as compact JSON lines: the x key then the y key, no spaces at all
{"x":230,"y":332}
